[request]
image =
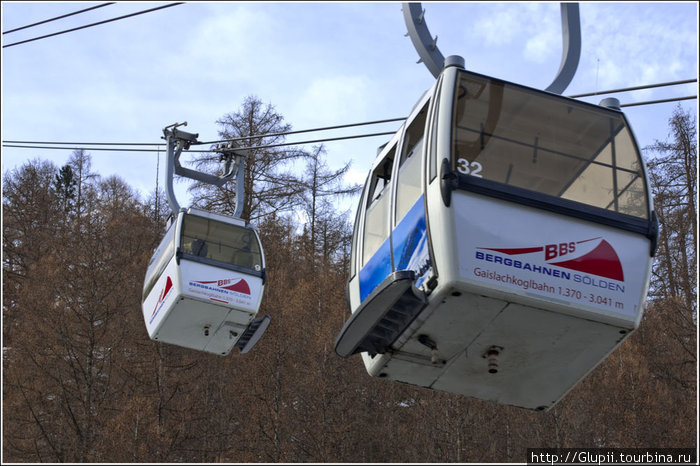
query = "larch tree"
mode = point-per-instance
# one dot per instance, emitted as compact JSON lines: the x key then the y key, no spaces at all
{"x":673,"y":292}
{"x":270,"y":184}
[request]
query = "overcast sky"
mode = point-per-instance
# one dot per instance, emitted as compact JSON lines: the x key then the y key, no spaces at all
{"x":319,"y":64}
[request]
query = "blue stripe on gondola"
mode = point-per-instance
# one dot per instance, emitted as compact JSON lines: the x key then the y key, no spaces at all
{"x":410,"y":251}
{"x":409,"y":237}
{"x":377,"y":268}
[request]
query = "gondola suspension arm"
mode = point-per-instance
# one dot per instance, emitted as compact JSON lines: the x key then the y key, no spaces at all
{"x":234,"y":164}
{"x":430,"y":55}
{"x":571,"y":47}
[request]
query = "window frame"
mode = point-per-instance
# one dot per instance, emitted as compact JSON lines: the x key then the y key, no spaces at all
{"x":160,"y":259}
{"x":406,"y":154}
{"x":358,"y":230}
{"x":181,"y":254}
{"x":386,"y":194}
{"x":561,"y":205}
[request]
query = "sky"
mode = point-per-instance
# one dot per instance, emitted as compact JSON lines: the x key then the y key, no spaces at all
{"x":319,"y":64}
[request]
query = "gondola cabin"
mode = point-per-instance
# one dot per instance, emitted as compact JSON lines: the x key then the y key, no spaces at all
{"x":204,"y":284}
{"x":503,"y":243}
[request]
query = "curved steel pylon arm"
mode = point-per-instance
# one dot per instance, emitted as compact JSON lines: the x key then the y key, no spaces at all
{"x":571,"y":47}
{"x":177,"y":140}
{"x":426,"y":46}
{"x":413,"y":15}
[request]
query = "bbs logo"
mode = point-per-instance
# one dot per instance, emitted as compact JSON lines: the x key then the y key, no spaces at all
{"x":552,"y":251}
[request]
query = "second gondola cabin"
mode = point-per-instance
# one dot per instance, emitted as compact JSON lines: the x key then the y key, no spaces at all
{"x":204,"y":284}
{"x":503,"y":243}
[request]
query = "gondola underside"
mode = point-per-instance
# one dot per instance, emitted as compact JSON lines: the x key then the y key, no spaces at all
{"x":539,"y":356}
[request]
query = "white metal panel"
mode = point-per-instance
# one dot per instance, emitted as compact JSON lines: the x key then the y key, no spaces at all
{"x":544,"y":355}
{"x":353,"y":291}
{"x":228,"y":333}
{"x":570,"y":265}
{"x":161,"y":298}
{"x":439,"y":218}
{"x":201,"y":307}
{"x":218,"y":285}
{"x":405,"y":368}
{"x":452,"y":322}
{"x":192,"y":323}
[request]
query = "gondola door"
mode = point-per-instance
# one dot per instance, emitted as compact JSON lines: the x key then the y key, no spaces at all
{"x":409,"y":235}
{"x":391,"y":257}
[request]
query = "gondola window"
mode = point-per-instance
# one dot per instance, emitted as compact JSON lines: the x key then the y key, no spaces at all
{"x":220,"y":242}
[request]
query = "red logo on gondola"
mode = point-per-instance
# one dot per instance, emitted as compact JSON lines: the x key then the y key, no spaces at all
{"x":596,"y":258}
{"x":163,"y":294}
{"x":239,"y":285}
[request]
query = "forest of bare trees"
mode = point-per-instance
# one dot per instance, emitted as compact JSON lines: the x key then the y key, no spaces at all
{"x":82,"y":382}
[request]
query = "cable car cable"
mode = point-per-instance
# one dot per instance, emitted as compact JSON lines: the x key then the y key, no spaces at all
{"x":349,"y":125}
{"x":635,"y":88}
{"x":357,"y":136}
{"x":690,"y":97}
{"x":390,"y":120}
{"x":93,"y":24}
{"x":114,"y":149}
{"x":58,"y":17}
{"x":89,"y":143}
{"x":312,"y":141}
{"x":14,"y":143}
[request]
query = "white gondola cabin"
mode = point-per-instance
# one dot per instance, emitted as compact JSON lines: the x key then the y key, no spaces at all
{"x":503,"y":243}
{"x":204,"y":284}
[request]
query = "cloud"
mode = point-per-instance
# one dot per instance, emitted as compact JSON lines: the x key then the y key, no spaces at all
{"x":499,"y":27}
{"x":355,"y":176}
{"x":619,"y":52}
{"x":507,"y":24}
{"x":544,"y":27}
{"x":334,"y":99}
{"x":226,"y":45}
{"x":541,"y":47}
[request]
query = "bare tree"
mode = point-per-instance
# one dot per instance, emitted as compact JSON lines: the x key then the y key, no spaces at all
{"x":673,"y":174}
{"x":321,"y":184}
{"x":69,"y":325}
{"x":270,"y":184}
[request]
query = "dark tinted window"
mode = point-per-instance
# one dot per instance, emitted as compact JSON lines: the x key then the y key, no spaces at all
{"x":221,"y":242}
{"x":544,"y":143}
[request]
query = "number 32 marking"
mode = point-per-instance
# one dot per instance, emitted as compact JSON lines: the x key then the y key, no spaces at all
{"x":473,"y":169}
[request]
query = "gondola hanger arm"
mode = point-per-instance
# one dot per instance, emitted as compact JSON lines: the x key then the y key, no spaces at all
{"x":234,"y":160}
{"x":571,"y":47}
{"x":430,"y":55}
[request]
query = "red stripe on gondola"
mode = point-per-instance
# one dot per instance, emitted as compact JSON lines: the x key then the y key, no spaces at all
{"x":515,"y":251}
{"x":602,"y":261}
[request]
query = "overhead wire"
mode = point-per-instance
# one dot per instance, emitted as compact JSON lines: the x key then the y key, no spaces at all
{"x":109,"y":149}
{"x":56,"y":145}
{"x":649,"y":86}
{"x":635,"y":88}
{"x":58,"y":17}
{"x":94,"y":24}
{"x":88,"y":143}
{"x":121,"y":149}
{"x":326,"y":128}
{"x":660,"y":101}
{"x":255,"y":136}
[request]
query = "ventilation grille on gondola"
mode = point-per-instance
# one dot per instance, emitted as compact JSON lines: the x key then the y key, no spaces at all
{"x":392,"y":324}
{"x":252,"y":334}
